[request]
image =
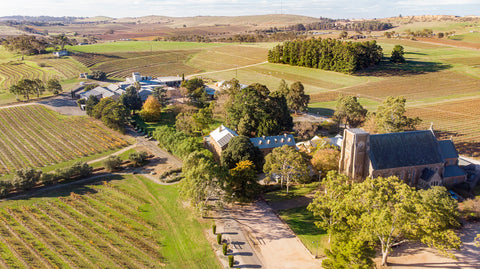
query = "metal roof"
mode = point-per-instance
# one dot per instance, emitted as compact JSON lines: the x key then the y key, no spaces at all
{"x":222,"y":135}
{"x":447,"y":148}
{"x":273,"y":141}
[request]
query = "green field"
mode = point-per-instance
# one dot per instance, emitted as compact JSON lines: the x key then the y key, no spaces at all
{"x":140,"y":46}
{"x":34,"y":136}
{"x":301,"y":221}
{"x":125,"y":222}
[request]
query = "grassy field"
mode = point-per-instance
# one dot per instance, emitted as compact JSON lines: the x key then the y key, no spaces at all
{"x":124,"y":222}
{"x":294,"y":191}
{"x":140,"y":46}
{"x":34,"y":136}
{"x":302,"y":222}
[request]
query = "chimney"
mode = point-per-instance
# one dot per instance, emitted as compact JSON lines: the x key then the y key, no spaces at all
{"x":285,"y":134}
{"x":276,"y":141}
{"x":289,"y":139}
{"x":268,"y":141}
{"x":260,"y":142}
{"x":282,"y":140}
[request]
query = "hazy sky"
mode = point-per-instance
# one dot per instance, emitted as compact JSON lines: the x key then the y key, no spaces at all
{"x":180,"y":8}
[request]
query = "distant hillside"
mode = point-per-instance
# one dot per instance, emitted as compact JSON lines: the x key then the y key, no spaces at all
{"x":39,"y":19}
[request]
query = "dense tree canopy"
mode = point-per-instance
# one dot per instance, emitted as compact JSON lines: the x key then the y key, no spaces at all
{"x":241,"y":183}
{"x":390,"y":116}
{"x":131,"y":100}
{"x":151,"y":110}
{"x":327,"y":54}
{"x":397,"y":54}
{"x":253,"y":111}
{"x":240,"y":148}
{"x":349,"y":111}
{"x":297,"y":100}
{"x":53,"y":85}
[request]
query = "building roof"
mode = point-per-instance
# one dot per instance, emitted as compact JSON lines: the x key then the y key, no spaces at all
{"x":404,"y":149}
{"x":222,"y":135}
{"x":427,"y":174}
{"x":447,"y":149}
{"x":273,"y":141}
{"x":144,"y":93}
{"x":453,"y":171}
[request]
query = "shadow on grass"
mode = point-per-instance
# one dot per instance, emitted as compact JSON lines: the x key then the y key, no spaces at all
{"x":389,"y":69}
{"x":321,"y":111}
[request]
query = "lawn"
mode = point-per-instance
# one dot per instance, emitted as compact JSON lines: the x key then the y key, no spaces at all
{"x":301,"y":221}
{"x":124,"y":222}
{"x":139,"y":46}
{"x":295,"y":191}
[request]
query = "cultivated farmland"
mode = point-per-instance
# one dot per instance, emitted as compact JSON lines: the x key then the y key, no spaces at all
{"x":127,"y":222}
{"x":34,"y":136}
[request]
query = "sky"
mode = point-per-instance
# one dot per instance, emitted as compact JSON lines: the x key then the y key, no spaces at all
{"x":337,"y":9}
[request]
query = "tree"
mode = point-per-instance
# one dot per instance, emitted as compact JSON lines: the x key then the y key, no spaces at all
{"x":241,"y":184}
{"x":203,"y":118}
{"x":90,"y":104}
{"x":25,"y":44}
{"x":39,"y":86}
{"x":305,"y":129}
{"x":24,"y":87}
{"x":201,"y":179}
{"x":131,"y":100}
{"x":352,"y":254}
{"x":343,"y":35}
{"x":283,"y":88}
{"x":151,"y":110}
{"x":240,"y":148}
{"x":99,"y":75}
{"x":138,"y":158}
{"x":350,"y":111}
{"x":288,"y":164}
{"x":114,"y":115}
{"x":53,"y":85}
{"x":326,"y":159}
{"x":397,"y":54}
{"x":98,"y":109}
{"x":112,"y":163}
{"x":328,"y":204}
{"x":196,"y":91}
{"x":387,"y":210}
{"x":390,"y":116}
{"x":26,"y":178}
{"x":61,"y":40}
{"x":297,"y":100}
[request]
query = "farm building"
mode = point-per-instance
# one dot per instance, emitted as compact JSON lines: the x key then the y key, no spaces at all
{"x":416,"y":157}
{"x":60,"y":53}
{"x":219,"y":138}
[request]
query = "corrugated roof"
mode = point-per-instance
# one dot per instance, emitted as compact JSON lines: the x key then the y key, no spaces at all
{"x":447,"y":148}
{"x":222,"y":135}
{"x":404,"y":149}
{"x":453,"y":171}
{"x":273,"y":141}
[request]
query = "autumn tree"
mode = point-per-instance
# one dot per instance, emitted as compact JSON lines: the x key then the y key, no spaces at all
{"x":390,"y":116}
{"x":241,"y":183}
{"x":326,"y":159}
{"x":151,"y":110}
{"x":350,"y":111}
{"x":397,"y":54}
{"x":288,"y":164}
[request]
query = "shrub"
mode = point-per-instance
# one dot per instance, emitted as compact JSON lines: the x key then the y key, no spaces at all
{"x":112,"y":163}
{"x":231,"y":261}
{"x":99,"y":75}
{"x":26,"y":178}
{"x":225,"y":249}
{"x":214,"y":228}
{"x":219,"y":238}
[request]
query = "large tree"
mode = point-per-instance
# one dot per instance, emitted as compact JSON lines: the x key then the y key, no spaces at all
{"x":240,"y":148}
{"x":390,"y":116}
{"x":297,"y":100}
{"x":241,"y":183}
{"x":326,"y":159}
{"x":114,"y":115}
{"x":131,"y":100}
{"x":397,"y":54}
{"x":53,"y":85}
{"x":349,"y":111}
{"x":25,"y":44}
{"x":151,"y":110}
{"x":288,"y":165}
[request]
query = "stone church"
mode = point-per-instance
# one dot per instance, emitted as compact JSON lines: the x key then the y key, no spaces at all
{"x":416,"y":157}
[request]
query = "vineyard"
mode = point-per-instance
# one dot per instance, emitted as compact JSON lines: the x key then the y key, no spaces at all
{"x":457,"y":119}
{"x":121,"y":65}
{"x":34,"y":136}
{"x":43,"y":68}
{"x":123,"y":223}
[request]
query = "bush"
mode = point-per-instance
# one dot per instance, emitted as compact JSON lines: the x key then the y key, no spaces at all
{"x":219,"y":238}
{"x":214,"y":228}
{"x":138,"y":158}
{"x":99,"y":75}
{"x":225,"y":249}
{"x":231,"y":261}
{"x":80,"y":169}
{"x":112,"y":163}
{"x":26,"y":178}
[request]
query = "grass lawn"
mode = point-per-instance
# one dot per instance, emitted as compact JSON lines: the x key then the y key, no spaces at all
{"x":301,"y":221}
{"x":295,"y":191}
{"x":129,"y":46}
{"x":129,"y":222}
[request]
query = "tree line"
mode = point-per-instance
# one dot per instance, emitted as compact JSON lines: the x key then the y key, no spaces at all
{"x":331,"y":24}
{"x":28,"y":87}
{"x":327,"y":54}
{"x":29,"y":44}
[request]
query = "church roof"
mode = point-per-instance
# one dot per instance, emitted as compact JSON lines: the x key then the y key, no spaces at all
{"x":404,"y":149}
{"x":222,"y":135}
{"x":453,"y":171}
{"x":447,"y":148}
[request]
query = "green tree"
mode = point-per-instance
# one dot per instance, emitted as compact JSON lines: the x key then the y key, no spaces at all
{"x":283,"y":88}
{"x":196,"y":91}
{"x":241,"y":184}
{"x":397,"y":54}
{"x":240,"y":148}
{"x":99,"y":75}
{"x":90,"y":104}
{"x":24,"y":87}
{"x":297,"y":100}
{"x":390,"y":116}
{"x":98,"y":109}
{"x":26,"y":178}
{"x":343,"y":35}
{"x":138,"y":158}
{"x":350,"y":111}
{"x":131,"y":100}
{"x":25,"y":44}
{"x":288,"y":164}
{"x":203,"y":118}
{"x":61,"y":40}
{"x":53,"y":85}
{"x":39,"y":86}
{"x":114,"y":115}
{"x":201,"y":181}
{"x":112,"y":163}
{"x":349,"y":254}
